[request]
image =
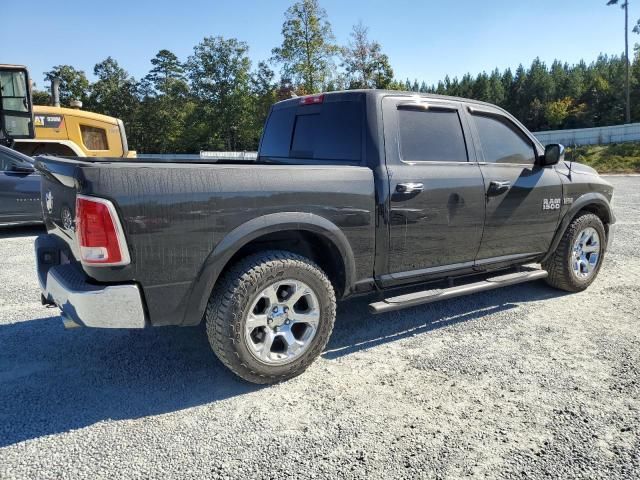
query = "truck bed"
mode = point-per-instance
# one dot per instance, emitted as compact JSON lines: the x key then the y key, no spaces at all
{"x":177,"y":216}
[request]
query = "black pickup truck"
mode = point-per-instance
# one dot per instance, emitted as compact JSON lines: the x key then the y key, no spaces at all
{"x":352,"y":192}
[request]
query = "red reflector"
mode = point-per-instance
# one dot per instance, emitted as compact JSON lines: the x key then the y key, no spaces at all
{"x":312,"y":100}
{"x":99,"y":232}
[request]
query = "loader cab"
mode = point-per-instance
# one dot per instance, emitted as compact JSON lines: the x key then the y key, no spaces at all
{"x":16,"y":108}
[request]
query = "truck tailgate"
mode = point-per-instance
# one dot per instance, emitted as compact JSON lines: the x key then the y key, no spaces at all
{"x":58,"y":190}
{"x":63,"y":280}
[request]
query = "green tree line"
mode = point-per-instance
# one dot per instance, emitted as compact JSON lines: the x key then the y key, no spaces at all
{"x":217,"y":99}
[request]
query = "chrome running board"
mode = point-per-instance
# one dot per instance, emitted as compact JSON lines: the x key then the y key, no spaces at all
{"x":435,"y":295}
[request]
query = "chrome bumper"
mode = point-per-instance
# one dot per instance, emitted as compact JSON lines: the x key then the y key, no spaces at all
{"x":67,"y":286}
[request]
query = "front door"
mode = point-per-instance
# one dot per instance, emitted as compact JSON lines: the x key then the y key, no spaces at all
{"x":436,"y":199}
{"x":522,"y":198}
{"x":19,"y":190}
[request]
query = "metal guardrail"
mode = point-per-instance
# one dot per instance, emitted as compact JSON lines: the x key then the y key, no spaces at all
{"x":170,"y":156}
{"x":592,"y":136}
{"x":230,"y":155}
{"x":203,"y":155}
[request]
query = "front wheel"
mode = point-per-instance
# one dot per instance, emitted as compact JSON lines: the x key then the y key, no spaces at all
{"x":270,"y":316}
{"x":576,"y":261}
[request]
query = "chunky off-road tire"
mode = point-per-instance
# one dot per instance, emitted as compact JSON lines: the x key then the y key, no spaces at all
{"x":231,"y":303}
{"x":561,"y":264}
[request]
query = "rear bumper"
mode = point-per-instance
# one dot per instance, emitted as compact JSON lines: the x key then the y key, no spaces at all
{"x":67,"y":286}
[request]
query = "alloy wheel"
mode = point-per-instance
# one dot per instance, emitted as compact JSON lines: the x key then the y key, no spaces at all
{"x":282,"y":322}
{"x":586,"y":253}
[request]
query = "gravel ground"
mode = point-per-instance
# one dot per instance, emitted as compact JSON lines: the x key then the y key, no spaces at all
{"x":524,"y":382}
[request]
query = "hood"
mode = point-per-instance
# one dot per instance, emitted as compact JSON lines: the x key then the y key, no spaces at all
{"x":563,"y":167}
{"x":582,"y":168}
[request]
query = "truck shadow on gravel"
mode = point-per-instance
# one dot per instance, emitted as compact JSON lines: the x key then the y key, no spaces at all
{"x":54,"y":381}
{"x":20,"y":232}
{"x":358,"y":330}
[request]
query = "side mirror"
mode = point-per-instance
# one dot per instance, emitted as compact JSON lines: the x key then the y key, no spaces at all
{"x":553,"y":153}
{"x":22,"y":168}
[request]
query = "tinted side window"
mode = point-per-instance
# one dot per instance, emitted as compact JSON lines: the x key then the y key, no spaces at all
{"x":5,"y":162}
{"x":10,"y":158}
{"x":431,"y":135}
{"x":501,"y":142}
{"x":331,"y":131}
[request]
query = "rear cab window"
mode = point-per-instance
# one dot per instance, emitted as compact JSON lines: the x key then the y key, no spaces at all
{"x":327,"y":132}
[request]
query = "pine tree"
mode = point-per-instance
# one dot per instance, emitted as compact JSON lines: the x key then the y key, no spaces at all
{"x":308,"y":46}
{"x":220,"y":75}
{"x":365,"y":64}
{"x":166,"y":71}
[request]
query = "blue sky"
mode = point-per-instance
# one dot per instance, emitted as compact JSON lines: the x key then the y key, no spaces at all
{"x":424,"y":39}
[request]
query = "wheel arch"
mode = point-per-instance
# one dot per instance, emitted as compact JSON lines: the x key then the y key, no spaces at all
{"x":307,"y":234}
{"x":593,"y":202}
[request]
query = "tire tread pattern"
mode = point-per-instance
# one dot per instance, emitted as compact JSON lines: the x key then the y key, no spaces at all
{"x":558,"y":265}
{"x":224,"y":310}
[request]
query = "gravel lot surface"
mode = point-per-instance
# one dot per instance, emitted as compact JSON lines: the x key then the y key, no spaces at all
{"x":524,"y":382}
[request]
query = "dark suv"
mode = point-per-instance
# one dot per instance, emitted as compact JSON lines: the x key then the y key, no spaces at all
{"x":19,"y":189}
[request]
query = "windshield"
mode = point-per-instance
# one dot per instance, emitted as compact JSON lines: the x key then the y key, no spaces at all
{"x":15,"y":156}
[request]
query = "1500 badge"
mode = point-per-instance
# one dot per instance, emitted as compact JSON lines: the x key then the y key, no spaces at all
{"x":551,"y":203}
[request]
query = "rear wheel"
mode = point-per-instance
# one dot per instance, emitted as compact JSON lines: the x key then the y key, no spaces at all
{"x":576,"y":261}
{"x":270,"y":316}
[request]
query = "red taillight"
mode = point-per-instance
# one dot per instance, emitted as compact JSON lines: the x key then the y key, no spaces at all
{"x":99,"y":232}
{"x":312,"y":100}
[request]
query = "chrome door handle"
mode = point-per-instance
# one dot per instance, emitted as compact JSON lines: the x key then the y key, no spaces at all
{"x":409,"y":187}
{"x":498,"y":187}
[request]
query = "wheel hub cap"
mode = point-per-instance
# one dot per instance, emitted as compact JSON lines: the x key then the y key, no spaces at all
{"x":586,"y":253}
{"x":282,"y":322}
{"x":279,"y":316}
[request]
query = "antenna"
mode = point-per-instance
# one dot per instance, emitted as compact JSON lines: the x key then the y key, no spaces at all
{"x":574,"y":151}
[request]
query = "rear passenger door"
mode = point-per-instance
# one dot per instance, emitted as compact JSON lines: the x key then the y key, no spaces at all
{"x":436,"y":192}
{"x":522,"y":198}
